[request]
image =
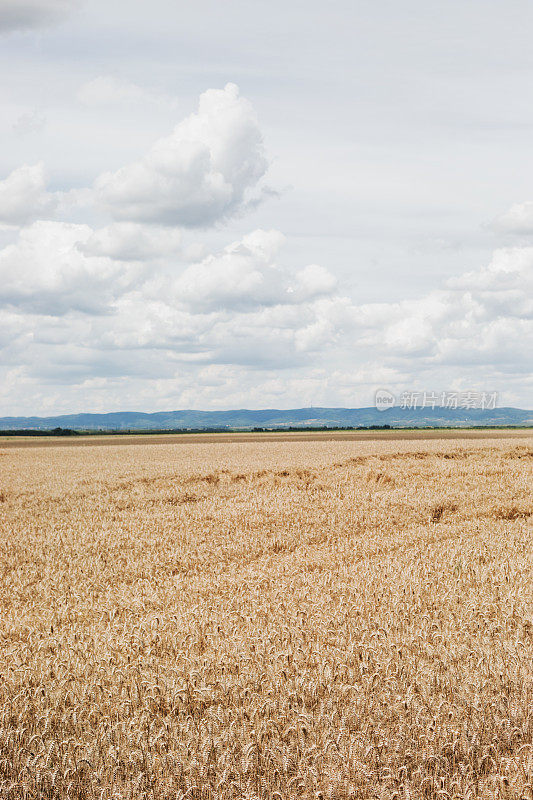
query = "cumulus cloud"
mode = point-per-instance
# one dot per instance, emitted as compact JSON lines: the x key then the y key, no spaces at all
{"x":482,"y":317}
{"x":313,"y":281}
{"x":80,"y":290}
{"x":510,"y":268}
{"x":134,"y":301}
{"x":243,"y":276}
{"x":198,"y":175}
{"x":46,"y":272}
{"x":121,"y":304}
{"x":517,"y":220}
{"x":164,"y":336}
{"x":129,"y":241}
{"x":27,"y":14}
{"x":96,"y":299}
{"x":247,"y":275}
{"x":239,"y":306}
{"x":23,"y":196}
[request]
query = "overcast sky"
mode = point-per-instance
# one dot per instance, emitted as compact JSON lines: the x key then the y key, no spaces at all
{"x":262,"y":203}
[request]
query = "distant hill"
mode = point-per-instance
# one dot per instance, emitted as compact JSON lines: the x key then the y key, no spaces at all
{"x":273,"y":418}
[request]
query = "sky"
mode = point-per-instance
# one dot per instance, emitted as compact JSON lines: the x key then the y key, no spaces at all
{"x":263,"y":204}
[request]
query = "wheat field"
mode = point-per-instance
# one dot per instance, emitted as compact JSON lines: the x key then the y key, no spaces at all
{"x":267,"y":619}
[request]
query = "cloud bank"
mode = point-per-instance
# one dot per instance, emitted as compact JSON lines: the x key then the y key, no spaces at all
{"x":137,"y":310}
{"x":75,"y":314}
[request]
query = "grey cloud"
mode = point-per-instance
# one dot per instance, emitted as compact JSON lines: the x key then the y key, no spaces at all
{"x":20,"y":15}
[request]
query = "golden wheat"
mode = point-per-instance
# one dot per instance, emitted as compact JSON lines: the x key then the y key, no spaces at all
{"x":267,"y":619}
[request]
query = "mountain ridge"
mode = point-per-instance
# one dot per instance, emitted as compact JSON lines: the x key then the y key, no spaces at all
{"x":312,"y":416}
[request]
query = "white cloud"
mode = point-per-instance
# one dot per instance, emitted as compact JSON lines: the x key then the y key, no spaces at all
{"x":234,"y":308}
{"x":247,"y":276}
{"x":502,"y":289}
{"x":313,"y":281}
{"x":134,"y":301}
{"x":26,"y":14}
{"x":517,"y":220}
{"x":482,"y":317}
{"x":242,"y":277}
{"x":121,"y":304}
{"x":110,"y":316}
{"x":23,"y":196}
{"x":322,"y":330}
{"x":110,"y":91}
{"x":45,"y":272}
{"x":198,"y":175}
{"x":129,"y":241}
